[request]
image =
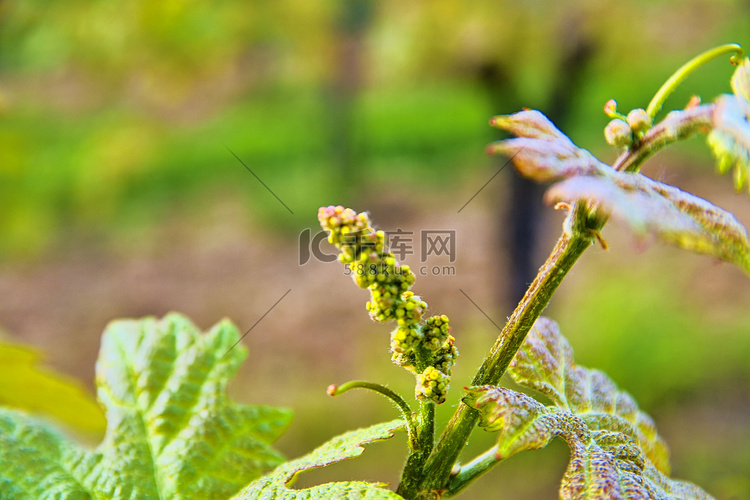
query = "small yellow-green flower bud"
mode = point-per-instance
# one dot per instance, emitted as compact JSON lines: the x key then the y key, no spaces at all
{"x":432,"y":384}
{"x":405,"y":360}
{"x":435,"y":332}
{"x":405,"y":338}
{"x":610,"y":108}
{"x":639,"y":120}
{"x":618,"y":133}
{"x":445,"y":357}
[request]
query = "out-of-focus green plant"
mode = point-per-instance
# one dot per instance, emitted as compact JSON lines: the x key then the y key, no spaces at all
{"x":173,"y":433}
{"x":26,"y":386}
{"x":113,"y":113}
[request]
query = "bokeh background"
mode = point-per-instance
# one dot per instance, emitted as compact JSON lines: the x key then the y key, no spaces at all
{"x":120,"y":197}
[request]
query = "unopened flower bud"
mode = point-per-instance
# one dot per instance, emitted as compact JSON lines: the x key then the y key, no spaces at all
{"x":432,"y":384}
{"x":618,"y":133}
{"x":404,"y":339}
{"x":435,"y":332}
{"x":446,"y":356}
{"x":373,"y":267}
{"x":639,"y":120}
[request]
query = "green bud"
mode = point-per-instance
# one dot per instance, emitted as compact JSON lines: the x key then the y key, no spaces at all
{"x":445,"y":357}
{"x":405,"y":360}
{"x":618,"y":133}
{"x":373,"y":267}
{"x":405,"y":338}
{"x":432,"y":384}
{"x":435,"y":332}
{"x":639,"y":121}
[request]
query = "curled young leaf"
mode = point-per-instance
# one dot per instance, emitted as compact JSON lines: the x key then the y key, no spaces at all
{"x":541,"y":152}
{"x":277,"y":484}
{"x":529,"y":123}
{"x":604,"y":463}
{"x":730,"y":137}
{"x":523,"y":422}
{"x":741,"y":80}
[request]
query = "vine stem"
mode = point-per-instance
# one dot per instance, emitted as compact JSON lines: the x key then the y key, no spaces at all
{"x":466,"y":474}
{"x":582,"y":223}
{"x":674,"y":127}
{"x":686,"y":69}
{"x":411,"y":476}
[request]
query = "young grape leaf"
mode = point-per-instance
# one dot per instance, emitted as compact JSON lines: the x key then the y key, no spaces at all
{"x":545,"y":363}
{"x":615,"y":450}
{"x":277,"y":484}
{"x":741,"y":80}
{"x":172,"y":432}
{"x":543,"y":153}
{"x":540,"y":151}
{"x":26,"y":386}
{"x":664,"y":211}
{"x":730,"y":138}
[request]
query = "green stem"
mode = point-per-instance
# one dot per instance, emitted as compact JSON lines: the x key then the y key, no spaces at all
{"x":412,"y":475}
{"x":466,"y":474}
{"x":673,"y":128}
{"x":571,"y":245}
{"x":335,"y":390}
{"x":689,"y":67}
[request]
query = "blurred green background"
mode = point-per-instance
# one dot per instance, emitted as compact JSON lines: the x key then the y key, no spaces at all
{"x":119,"y":196}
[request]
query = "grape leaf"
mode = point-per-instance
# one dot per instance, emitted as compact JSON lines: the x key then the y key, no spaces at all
{"x":172,"y":432}
{"x":276,"y":485}
{"x":730,"y":138}
{"x":615,"y":450}
{"x":540,"y":151}
{"x":543,"y":153}
{"x":672,"y":215}
{"x":741,"y":80}
{"x":36,"y":462}
{"x":26,"y":386}
{"x":545,"y":363}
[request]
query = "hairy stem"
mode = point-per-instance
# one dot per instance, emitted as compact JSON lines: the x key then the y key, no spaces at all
{"x":686,"y":69}
{"x":412,"y":474}
{"x":467,"y":473}
{"x":571,"y":245}
{"x":673,"y":128}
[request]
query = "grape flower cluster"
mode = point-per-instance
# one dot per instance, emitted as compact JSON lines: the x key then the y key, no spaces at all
{"x":424,"y":348}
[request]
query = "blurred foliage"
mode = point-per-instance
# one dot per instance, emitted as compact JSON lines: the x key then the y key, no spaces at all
{"x":116,"y":113}
{"x":25,"y":386}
